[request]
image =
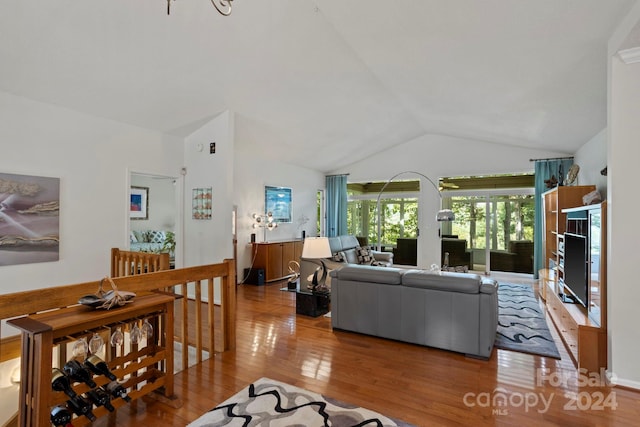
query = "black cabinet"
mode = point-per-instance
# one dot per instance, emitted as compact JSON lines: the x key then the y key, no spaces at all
{"x":312,"y":304}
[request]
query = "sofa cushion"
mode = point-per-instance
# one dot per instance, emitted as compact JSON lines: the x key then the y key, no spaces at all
{"x":335,"y":245}
{"x":338,"y":257}
{"x":365,"y":273}
{"x":365,"y":256}
{"x":456,"y":282}
{"x":351,"y":256}
{"x":156,"y":236}
{"x":348,"y":241}
{"x":140,"y":236}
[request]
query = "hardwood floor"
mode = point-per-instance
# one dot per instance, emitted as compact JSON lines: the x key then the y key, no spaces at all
{"x":419,"y":385}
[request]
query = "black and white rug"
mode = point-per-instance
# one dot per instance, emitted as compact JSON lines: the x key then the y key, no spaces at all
{"x":267,"y":402}
{"x":521,"y":322}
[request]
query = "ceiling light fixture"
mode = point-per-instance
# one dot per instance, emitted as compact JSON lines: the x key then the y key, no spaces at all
{"x":222,"y":6}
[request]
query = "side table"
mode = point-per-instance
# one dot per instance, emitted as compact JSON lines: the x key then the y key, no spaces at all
{"x":312,"y":304}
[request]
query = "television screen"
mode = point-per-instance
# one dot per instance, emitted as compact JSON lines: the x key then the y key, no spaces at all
{"x":575,"y":267}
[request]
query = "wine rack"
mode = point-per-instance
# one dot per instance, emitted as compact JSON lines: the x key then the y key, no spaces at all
{"x":141,"y":371}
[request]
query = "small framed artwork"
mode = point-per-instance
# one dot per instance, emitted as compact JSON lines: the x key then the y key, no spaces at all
{"x":201,"y":203}
{"x":139,"y":205}
{"x":277,"y":200}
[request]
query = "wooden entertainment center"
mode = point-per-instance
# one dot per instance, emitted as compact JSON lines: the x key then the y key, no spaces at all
{"x":582,"y":328}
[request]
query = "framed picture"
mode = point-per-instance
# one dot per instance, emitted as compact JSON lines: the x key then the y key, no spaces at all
{"x":201,"y":203}
{"x":29,"y":219}
{"x":277,"y":200}
{"x":139,"y":206}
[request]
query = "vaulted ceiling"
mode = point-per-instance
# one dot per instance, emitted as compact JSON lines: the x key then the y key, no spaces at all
{"x":353,"y":77}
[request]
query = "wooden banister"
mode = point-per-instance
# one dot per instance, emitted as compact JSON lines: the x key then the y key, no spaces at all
{"x":29,"y":302}
{"x":128,"y":263}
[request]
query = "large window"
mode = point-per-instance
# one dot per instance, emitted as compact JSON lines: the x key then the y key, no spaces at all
{"x":491,"y":212}
{"x":398,"y":208}
{"x":511,"y":218}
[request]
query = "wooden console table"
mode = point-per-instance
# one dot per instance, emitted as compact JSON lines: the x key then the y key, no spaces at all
{"x":274,"y":257}
{"x":141,"y":371}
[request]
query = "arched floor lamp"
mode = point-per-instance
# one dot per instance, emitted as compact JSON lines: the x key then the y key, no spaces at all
{"x":442,"y":215}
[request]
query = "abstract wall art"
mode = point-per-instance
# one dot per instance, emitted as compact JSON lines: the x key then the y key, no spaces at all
{"x":29,"y":219}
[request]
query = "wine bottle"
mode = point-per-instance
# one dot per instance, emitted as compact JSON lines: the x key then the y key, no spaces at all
{"x":99,"y":367}
{"x":61,"y":416}
{"x":60,"y":382}
{"x":115,"y":389}
{"x":78,"y":373}
{"x":81,"y":406}
{"x":99,"y":397}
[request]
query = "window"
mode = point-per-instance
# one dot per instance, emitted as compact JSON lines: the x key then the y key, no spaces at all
{"x":398,"y":207}
{"x":491,"y":212}
{"x":511,"y":218}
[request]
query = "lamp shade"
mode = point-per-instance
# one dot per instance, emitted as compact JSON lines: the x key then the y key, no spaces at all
{"x":316,"y":247}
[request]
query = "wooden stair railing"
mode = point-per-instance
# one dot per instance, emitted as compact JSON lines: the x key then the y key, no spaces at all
{"x":221,"y":288}
{"x":128,"y":263}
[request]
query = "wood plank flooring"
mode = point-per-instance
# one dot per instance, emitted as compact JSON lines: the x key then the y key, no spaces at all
{"x":419,"y":385}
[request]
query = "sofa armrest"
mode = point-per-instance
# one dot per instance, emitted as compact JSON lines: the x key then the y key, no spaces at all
{"x":488,"y":286}
{"x":383,"y":256}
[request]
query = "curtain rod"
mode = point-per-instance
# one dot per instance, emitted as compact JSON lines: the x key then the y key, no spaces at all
{"x":339,"y":174}
{"x":552,"y":158}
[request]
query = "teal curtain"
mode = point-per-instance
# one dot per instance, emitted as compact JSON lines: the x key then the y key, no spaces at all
{"x":336,"y":205}
{"x":544,"y":170}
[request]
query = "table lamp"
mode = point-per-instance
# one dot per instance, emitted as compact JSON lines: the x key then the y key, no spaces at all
{"x":317,"y":248}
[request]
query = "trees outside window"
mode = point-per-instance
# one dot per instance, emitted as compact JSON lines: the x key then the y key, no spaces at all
{"x":511,"y":218}
{"x":399,"y":218}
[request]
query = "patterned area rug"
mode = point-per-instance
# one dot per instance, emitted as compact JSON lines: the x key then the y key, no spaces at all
{"x":521,"y":322}
{"x":271,"y":403}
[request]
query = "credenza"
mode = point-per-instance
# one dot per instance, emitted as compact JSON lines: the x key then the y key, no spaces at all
{"x":274,"y":257}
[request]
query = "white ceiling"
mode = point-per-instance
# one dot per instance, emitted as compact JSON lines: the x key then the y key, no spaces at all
{"x":351,"y":76}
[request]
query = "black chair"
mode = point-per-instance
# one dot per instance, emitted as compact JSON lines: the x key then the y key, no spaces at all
{"x":459,"y":255}
{"x":406,"y":252}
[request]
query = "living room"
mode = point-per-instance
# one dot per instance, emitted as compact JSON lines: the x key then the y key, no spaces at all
{"x":94,"y":152}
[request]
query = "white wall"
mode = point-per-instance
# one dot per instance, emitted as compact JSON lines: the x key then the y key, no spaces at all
{"x":623,"y":205}
{"x":210,"y":241}
{"x":437,"y":156}
{"x":251,"y":176}
{"x":592,"y":158}
{"x":92,"y":157}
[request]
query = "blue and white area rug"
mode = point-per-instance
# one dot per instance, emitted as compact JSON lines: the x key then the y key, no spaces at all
{"x":275,"y":404}
{"x":521,"y":322}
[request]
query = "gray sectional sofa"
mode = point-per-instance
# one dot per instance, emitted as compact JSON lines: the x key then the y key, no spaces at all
{"x":451,"y":311}
{"x":346,"y":247}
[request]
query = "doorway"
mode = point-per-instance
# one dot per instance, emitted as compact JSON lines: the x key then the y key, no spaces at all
{"x":498,"y":229}
{"x":160,"y":229}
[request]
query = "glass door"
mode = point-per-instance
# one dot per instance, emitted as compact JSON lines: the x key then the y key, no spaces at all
{"x":498,"y":230}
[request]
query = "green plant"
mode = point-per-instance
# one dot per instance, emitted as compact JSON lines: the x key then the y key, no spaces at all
{"x":169,"y":244}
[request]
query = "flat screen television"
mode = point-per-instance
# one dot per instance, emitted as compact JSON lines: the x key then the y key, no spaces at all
{"x":575,"y":267}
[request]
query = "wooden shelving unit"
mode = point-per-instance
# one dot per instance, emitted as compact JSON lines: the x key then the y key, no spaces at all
{"x":555,"y":222}
{"x":582,"y":329}
{"x":141,"y":371}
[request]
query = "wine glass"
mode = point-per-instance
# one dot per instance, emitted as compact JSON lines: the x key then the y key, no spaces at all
{"x":80,"y":347}
{"x":147,"y":329}
{"x":135,"y":333}
{"x":95,"y":343}
{"x":117,"y":338}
